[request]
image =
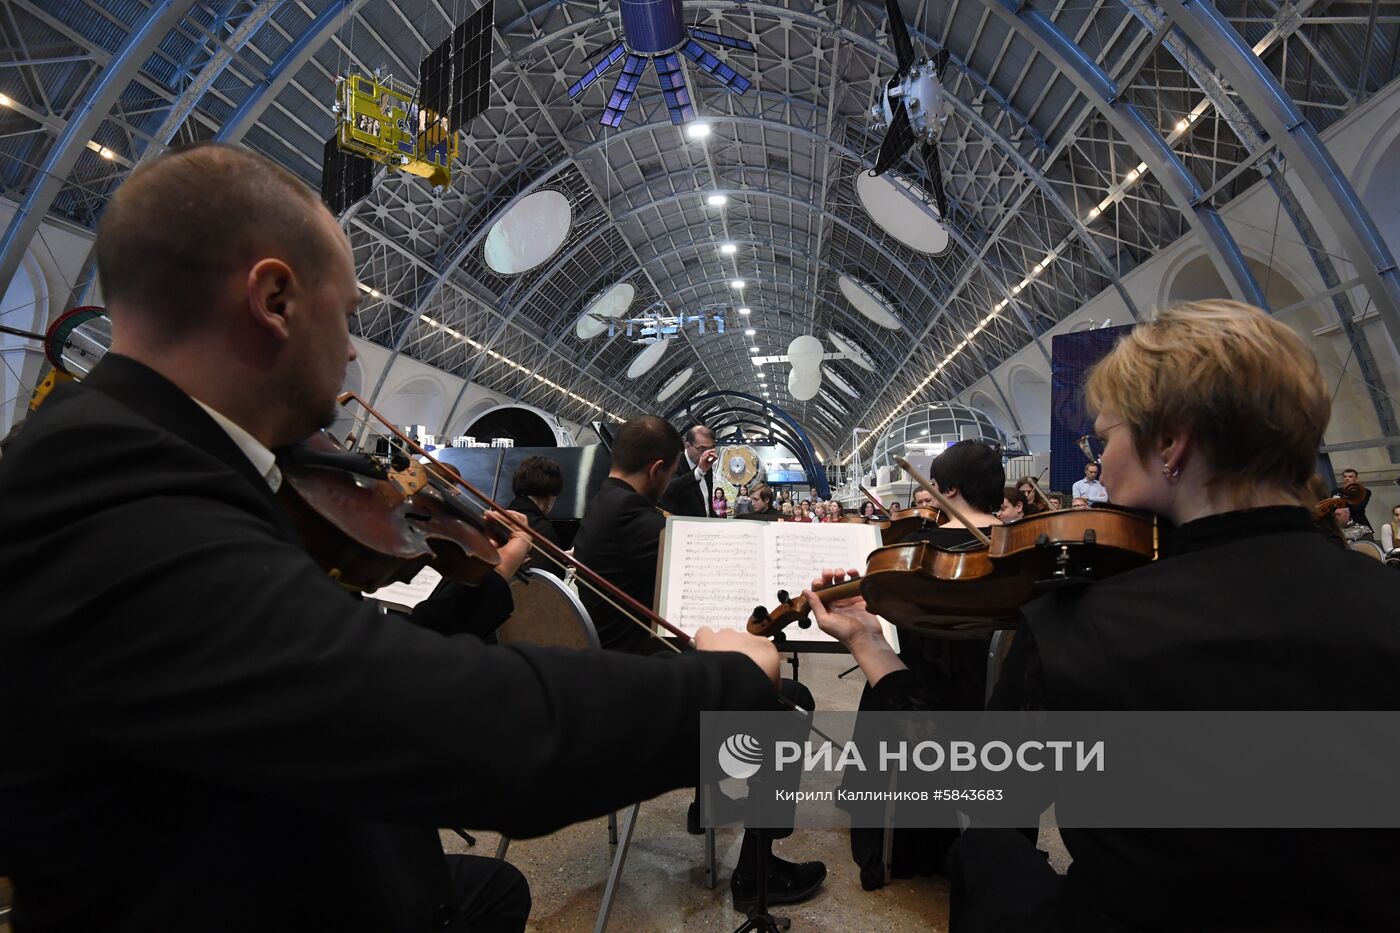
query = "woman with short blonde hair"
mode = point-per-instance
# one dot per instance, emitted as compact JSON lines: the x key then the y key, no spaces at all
{"x":1210,"y":416}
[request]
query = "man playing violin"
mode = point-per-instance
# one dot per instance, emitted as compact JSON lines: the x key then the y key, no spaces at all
{"x":1210,"y":416}
{"x":204,"y":731}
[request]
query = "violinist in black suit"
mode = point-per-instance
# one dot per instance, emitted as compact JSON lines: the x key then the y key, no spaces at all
{"x":202,"y":731}
{"x":1210,"y":416}
{"x":692,"y":490}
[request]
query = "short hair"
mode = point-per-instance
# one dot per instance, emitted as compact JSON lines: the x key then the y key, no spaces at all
{"x":1243,"y":383}
{"x":184,"y":222}
{"x":694,"y":429}
{"x":642,"y":441}
{"x":974,"y":469}
{"x":537,"y":476}
{"x":1351,"y":470}
{"x":1012,"y":494}
{"x":762,"y":492}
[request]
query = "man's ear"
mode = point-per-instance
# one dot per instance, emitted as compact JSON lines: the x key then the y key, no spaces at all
{"x":270,"y":289}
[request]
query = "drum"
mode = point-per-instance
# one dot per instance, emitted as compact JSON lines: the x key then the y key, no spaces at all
{"x":1369,"y":548}
{"x":547,"y":613}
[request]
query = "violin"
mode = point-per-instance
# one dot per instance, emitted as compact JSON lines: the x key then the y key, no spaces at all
{"x":905,"y":522}
{"x":970,"y":590}
{"x":369,"y":525}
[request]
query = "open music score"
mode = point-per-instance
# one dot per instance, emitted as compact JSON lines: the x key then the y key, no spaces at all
{"x":714,"y":572}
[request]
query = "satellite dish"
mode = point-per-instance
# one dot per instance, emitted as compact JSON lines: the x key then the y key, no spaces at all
{"x":740,"y":464}
{"x":805,"y":354}
{"x":851,"y":350}
{"x":643,"y":362}
{"x":612,"y":303}
{"x":840,"y":383}
{"x":674,"y":384}
{"x":804,"y":386}
{"x":529,"y":233}
{"x":869,"y":303}
{"x":903,"y":211}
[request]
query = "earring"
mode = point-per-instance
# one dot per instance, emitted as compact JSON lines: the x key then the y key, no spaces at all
{"x":1169,"y":472}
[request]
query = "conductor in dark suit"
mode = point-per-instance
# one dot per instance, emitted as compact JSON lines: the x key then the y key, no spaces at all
{"x":1209,"y":416}
{"x":202,"y":731}
{"x":692,"y":490}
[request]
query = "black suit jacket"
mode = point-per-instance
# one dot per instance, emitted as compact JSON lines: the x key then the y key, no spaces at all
{"x":202,"y":731}
{"x":683,"y":495}
{"x":620,"y":537}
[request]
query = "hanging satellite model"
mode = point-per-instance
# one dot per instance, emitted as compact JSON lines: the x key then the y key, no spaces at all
{"x":741,"y":464}
{"x":653,"y":33}
{"x":651,"y":328}
{"x":382,"y":121}
{"x":912,"y":108}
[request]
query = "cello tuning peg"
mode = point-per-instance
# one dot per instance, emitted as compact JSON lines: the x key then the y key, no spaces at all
{"x":783,"y":596}
{"x":760,"y":614}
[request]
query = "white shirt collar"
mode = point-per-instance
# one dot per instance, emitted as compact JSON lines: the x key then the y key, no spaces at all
{"x":263,"y":460}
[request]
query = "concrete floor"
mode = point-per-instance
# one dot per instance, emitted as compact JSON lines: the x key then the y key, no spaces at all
{"x":663,"y":883}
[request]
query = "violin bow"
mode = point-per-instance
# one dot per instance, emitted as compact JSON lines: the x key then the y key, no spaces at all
{"x":942,"y":501}
{"x":605,"y":590}
{"x":1039,"y":492}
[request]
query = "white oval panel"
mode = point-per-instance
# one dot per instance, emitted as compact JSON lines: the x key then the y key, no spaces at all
{"x":805,"y":354}
{"x":612,"y":303}
{"x":840,"y":383}
{"x":529,"y":233}
{"x":851,"y":350}
{"x":643,"y":362}
{"x":804,"y":385}
{"x":673,"y":385}
{"x":871,"y":304}
{"x":901,"y":211}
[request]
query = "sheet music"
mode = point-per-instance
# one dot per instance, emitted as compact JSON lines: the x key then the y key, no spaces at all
{"x":411,"y":593}
{"x":712,"y":573}
{"x":717,"y":571}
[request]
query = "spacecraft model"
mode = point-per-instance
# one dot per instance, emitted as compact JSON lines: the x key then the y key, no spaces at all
{"x":654,"y":32}
{"x":912,"y":108}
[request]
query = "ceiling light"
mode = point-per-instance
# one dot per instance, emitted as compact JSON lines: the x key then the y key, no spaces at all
{"x":753,"y":349}
{"x":1181,"y":126}
{"x":728,"y":249}
{"x":737,"y":283}
{"x":744,"y":310}
{"x":749,"y":332}
{"x":717,"y":200}
{"x":697,"y":130}
{"x":106,"y":153}
{"x":5,"y":101}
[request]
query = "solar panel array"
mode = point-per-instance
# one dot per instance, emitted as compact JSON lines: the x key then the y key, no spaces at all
{"x":622,"y":92}
{"x":345,"y":177}
{"x":601,"y":64}
{"x":715,"y":38}
{"x":455,"y":79}
{"x":672,"y":77}
{"x":709,"y":63}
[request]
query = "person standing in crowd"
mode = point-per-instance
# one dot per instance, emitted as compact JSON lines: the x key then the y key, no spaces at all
{"x":1089,"y":487}
{"x":719,"y":505}
{"x":743,"y":502}
{"x":1079,"y":502}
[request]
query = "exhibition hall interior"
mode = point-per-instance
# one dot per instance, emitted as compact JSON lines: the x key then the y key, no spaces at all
{"x":611,"y":271}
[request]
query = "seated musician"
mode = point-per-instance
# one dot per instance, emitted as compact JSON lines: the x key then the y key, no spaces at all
{"x":536,"y":485}
{"x":1013,"y":507}
{"x":971,"y":477}
{"x":203,"y":731}
{"x":1210,"y":416}
{"x":620,"y":538}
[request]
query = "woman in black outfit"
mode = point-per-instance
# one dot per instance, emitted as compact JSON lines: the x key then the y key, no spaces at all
{"x":1210,"y":416}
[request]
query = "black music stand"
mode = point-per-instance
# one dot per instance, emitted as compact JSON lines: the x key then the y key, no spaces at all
{"x":760,"y":920}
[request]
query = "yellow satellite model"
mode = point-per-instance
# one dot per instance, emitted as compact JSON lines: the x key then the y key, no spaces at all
{"x":382,"y":121}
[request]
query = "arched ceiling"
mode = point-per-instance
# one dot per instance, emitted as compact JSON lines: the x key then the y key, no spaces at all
{"x":1057,"y":104}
